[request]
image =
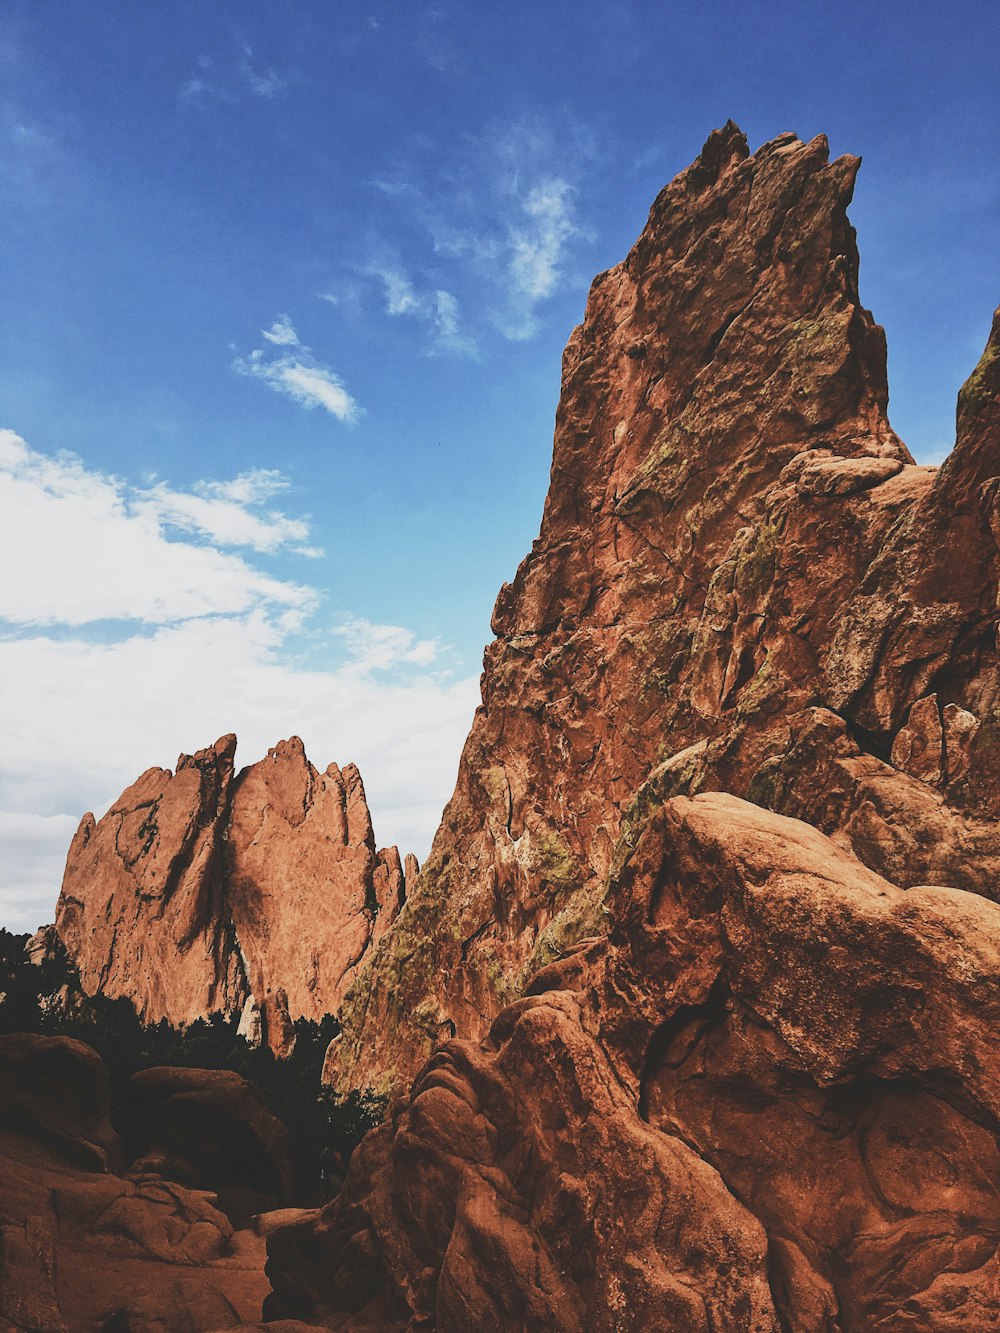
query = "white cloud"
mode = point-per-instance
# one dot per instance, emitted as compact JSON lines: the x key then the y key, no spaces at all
{"x":500,"y":217}
{"x":438,"y":309}
{"x":297,"y":374}
{"x":225,"y":522}
{"x":206,"y":88}
{"x":449,"y":334}
{"x":34,"y":853}
{"x":79,"y":546}
{"x":81,"y":719}
{"x":34,"y":167}
{"x":400,"y":298}
{"x":282,"y":333}
{"x":251,"y":487}
{"x":382,"y":647}
{"x":537,"y":247}
{"x":264,"y":83}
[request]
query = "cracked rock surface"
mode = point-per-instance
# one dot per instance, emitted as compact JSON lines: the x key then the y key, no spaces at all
{"x":700,"y":985}
{"x":742,"y":582}
{"x":769,"y":1099}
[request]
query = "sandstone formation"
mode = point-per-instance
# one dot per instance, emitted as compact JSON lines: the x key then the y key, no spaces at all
{"x":742,"y":582}
{"x":768,"y":1100}
{"x":255,"y":894}
{"x":88,"y":1245}
{"x":208,"y":1129}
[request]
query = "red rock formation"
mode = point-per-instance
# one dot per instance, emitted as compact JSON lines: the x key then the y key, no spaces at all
{"x":742,"y":582}
{"x":255,"y":895}
{"x":85,"y":1245}
{"x":208,"y":1129}
{"x":769,"y":1099}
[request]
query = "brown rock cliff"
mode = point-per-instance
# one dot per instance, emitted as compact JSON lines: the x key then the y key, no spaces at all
{"x":769,"y":1099}
{"x":256,"y":894}
{"x":742,"y":582}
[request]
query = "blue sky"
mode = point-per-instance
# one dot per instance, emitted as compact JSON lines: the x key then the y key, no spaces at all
{"x":286,"y":287}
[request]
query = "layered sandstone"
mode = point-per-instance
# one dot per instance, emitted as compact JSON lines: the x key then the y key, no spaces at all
{"x":742,"y":582}
{"x":205,"y":891}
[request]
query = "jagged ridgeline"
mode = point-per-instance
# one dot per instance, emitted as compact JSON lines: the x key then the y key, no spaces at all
{"x":255,"y":895}
{"x":742,"y":583}
{"x":756,"y":1083}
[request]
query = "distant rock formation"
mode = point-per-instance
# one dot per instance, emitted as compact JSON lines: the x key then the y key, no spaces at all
{"x":201,"y":891}
{"x":742,"y":583}
{"x":706,"y":956}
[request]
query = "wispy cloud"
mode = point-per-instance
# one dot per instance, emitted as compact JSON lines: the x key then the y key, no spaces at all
{"x":244,"y":76}
{"x":384,"y":647}
{"x":89,"y":547}
{"x":537,"y":245}
{"x":495,"y":228}
{"x":282,"y":333}
{"x":297,"y":374}
{"x":262,"y":82}
{"x":223,"y":521}
{"x":437,"y":308}
{"x":31,"y":160}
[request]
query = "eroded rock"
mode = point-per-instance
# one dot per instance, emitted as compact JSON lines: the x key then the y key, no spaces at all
{"x":768,"y":1099}
{"x":83,"y":1247}
{"x":254,"y":895}
{"x":738,"y":563}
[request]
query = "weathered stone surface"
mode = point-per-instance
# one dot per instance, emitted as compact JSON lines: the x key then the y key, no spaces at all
{"x":742,"y":582}
{"x":141,"y":910}
{"x":207,"y":1129}
{"x":769,"y":1099}
{"x":84,"y":1247}
{"x":254,"y":895}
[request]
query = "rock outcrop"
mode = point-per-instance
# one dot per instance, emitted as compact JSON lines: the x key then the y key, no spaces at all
{"x":210,"y":1130}
{"x":255,"y":894}
{"x":742,"y":582}
{"x":769,"y":1099}
{"x":86,"y":1244}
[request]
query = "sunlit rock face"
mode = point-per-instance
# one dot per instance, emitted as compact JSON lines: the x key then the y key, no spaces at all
{"x":767,"y":1099}
{"x":254,"y":894}
{"x":742,"y":582}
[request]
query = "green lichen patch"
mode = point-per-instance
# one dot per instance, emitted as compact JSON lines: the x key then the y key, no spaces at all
{"x":581,"y":916}
{"x":981,"y":386}
{"x":550,"y":861}
{"x":679,"y":775}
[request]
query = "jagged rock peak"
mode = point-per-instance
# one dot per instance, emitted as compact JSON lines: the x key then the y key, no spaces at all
{"x":253,"y":894}
{"x":741,"y":582}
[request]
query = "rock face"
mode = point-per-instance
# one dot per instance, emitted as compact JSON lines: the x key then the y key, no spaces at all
{"x":203,"y":891}
{"x":742,"y":582}
{"x":87,"y":1244}
{"x":208,"y":1129}
{"x":769,"y":1099}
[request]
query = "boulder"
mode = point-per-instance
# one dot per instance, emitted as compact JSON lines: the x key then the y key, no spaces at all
{"x":768,"y":1099}
{"x":209,"y":1130}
